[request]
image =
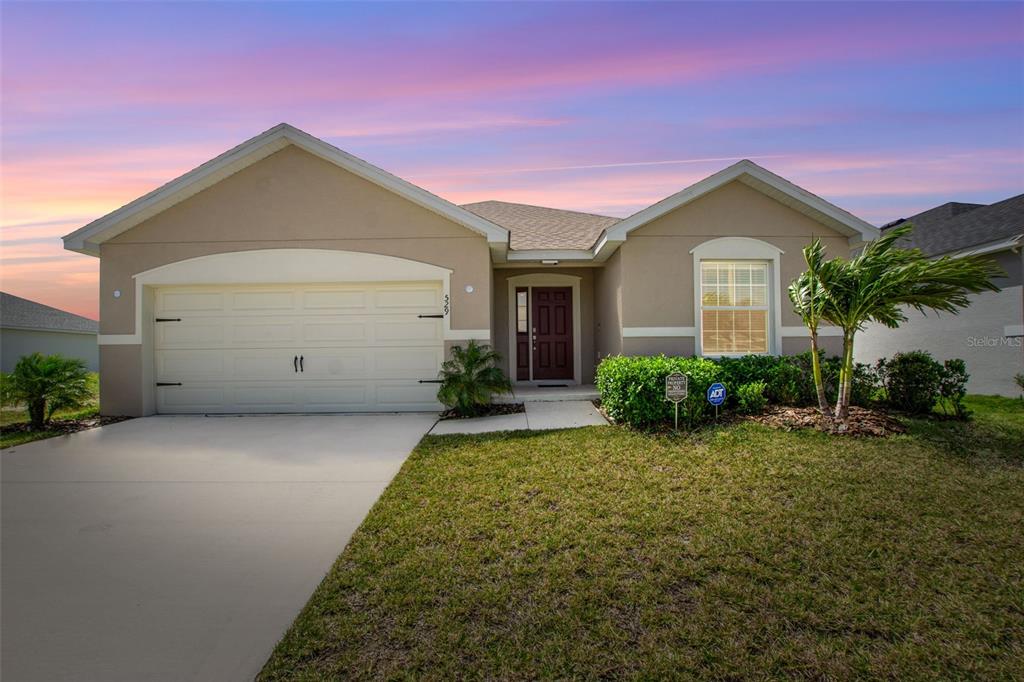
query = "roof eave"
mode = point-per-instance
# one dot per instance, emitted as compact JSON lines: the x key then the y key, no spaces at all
{"x":88,"y":238}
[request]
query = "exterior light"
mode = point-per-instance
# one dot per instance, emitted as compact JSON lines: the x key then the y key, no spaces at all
{"x":549,"y":262}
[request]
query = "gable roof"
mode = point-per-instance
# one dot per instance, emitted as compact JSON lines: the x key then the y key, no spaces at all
{"x":958,"y":226}
{"x":539,"y":227}
{"x":758,"y":178}
{"x":87,"y":239}
{"x":21,"y":313}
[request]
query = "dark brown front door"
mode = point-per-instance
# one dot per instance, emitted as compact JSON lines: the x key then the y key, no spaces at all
{"x":552,"y":333}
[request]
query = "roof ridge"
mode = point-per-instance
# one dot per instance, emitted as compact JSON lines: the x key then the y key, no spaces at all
{"x":546,"y":208}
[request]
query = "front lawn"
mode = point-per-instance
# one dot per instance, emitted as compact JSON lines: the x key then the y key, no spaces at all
{"x":738,"y":551}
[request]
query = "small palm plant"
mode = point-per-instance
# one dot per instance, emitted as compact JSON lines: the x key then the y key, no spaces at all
{"x":45,"y":384}
{"x":470,"y":378}
{"x":878,"y":286}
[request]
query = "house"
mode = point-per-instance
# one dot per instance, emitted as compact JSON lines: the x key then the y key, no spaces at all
{"x":287,"y":275}
{"x":29,"y":327}
{"x":988,"y":334}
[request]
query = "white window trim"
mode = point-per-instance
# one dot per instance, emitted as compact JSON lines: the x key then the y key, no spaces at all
{"x":740,"y":249}
{"x":545,"y":279}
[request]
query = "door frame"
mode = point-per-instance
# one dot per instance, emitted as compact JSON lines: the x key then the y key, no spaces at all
{"x":545,"y":279}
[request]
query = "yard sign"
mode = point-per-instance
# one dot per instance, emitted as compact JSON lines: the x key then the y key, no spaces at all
{"x":676,"y":389}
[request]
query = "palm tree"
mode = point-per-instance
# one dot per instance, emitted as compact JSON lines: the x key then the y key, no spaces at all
{"x":807,"y":301}
{"x":470,"y":377}
{"x":879,"y":283}
{"x":45,"y":384}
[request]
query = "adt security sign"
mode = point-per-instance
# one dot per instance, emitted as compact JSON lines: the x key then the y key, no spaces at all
{"x":716,"y":394}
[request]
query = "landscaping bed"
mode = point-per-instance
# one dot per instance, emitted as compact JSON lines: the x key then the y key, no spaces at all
{"x":19,"y":433}
{"x":733,"y":552}
{"x":862,"y":421}
{"x":491,"y":410}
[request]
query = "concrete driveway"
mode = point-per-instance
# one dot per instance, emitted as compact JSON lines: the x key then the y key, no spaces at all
{"x":180,"y":548}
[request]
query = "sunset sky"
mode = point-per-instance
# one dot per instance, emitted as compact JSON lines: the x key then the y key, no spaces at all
{"x":883,"y":109}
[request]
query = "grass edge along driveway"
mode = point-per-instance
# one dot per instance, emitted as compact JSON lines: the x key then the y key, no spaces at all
{"x":737,"y":551}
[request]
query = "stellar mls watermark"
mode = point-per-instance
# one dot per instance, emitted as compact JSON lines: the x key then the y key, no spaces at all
{"x":994,"y":341}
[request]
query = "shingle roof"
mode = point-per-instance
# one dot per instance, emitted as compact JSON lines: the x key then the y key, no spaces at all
{"x":21,"y":313}
{"x":957,"y":226}
{"x":537,"y":227}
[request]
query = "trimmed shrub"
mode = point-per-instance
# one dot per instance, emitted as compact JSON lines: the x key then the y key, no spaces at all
{"x":912,"y":381}
{"x":633,"y":389}
{"x":953,"y":387}
{"x":750,"y":398}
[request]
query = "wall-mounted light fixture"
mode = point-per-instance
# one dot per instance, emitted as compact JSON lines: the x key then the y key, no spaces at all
{"x":549,"y":262}
{"x":469,"y":288}
{"x":117,"y":293}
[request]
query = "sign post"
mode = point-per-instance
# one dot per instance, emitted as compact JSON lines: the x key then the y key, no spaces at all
{"x":676,"y":389}
{"x":716,"y":396}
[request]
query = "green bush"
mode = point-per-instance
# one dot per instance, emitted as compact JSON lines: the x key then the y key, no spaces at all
{"x":789,"y":379}
{"x":633,"y":389}
{"x":912,"y":381}
{"x":470,"y":377}
{"x":45,"y":384}
{"x":751,"y":398}
{"x":953,"y":387}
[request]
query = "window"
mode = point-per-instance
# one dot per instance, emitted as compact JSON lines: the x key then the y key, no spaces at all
{"x":734,"y":307}
{"x":522,"y":319}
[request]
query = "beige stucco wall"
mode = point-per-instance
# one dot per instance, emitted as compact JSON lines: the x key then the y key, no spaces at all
{"x":500,"y":335}
{"x":291,"y":199}
{"x":608,"y":307}
{"x":657,"y":278}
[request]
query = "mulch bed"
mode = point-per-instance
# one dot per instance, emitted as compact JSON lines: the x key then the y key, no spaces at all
{"x":65,"y":426}
{"x":862,"y":422}
{"x":491,"y":410}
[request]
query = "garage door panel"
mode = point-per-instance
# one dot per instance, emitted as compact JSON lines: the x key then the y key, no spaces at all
{"x":264,"y":332}
{"x":349,"y":300}
{"x":401,"y":395}
{"x":183,"y":302}
{"x":409,"y":331}
{"x":331,"y":364}
{"x":191,"y":399}
{"x":412,"y":298}
{"x":264,"y":301}
{"x":420,"y":363}
{"x":201,"y":333}
{"x":354,"y":332}
{"x":363,"y":347}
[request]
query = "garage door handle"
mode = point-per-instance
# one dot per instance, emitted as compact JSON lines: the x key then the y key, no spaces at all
{"x":301,"y":368}
{"x":439,"y":317}
{"x":295,"y":363}
{"x":168,"y":383}
{"x":431,"y":381}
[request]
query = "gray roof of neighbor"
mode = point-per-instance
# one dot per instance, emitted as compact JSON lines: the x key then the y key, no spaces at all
{"x":21,"y":313}
{"x":957,"y":226}
{"x":537,"y":227}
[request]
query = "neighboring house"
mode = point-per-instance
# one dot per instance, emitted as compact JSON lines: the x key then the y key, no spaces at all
{"x":286,"y":275}
{"x":29,"y":327}
{"x":988,"y":334}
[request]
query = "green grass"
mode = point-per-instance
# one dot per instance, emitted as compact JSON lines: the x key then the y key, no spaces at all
{"x":735,"y":552}
{"x":10,"y":416}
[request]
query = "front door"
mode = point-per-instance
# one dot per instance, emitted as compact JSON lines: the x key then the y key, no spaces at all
{"x":552,"y":333}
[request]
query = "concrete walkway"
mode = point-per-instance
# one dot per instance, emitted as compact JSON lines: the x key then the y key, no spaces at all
{"x":539,"y":416}
{"x":180,"y":548}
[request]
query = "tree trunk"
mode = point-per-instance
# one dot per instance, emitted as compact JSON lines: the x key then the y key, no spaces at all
{"x":819,"y":384}
{"x":37,"y":414}
{"x":845,"y":382}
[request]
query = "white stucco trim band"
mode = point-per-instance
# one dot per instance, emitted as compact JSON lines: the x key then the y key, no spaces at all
{"x":658,"y":332}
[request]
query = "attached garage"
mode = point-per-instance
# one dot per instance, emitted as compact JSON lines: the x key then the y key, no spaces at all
{"x":357,"y":347}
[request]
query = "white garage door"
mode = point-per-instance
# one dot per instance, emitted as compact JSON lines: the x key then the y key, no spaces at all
{"x":298,"y":348}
